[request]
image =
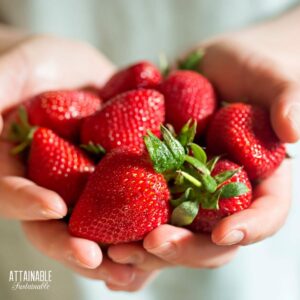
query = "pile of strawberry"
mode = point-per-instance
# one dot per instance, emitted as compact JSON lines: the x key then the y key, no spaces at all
{"x":127,"y":158}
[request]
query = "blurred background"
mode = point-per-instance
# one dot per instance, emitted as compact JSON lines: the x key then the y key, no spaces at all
{"x":128,"y":31}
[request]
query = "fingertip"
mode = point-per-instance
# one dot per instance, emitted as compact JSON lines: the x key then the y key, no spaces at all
{"x":53,"y":201}
{"x":47,"y":202}
{"x":224,"y":235}
{"x":86,"y":253}
{"x":24,"y":200}
{"x":125,"y":254}
{"x":285,"y":115}
{"x":163,"y":234}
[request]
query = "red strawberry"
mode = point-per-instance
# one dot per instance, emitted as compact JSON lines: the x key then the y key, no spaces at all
{"x":63,"y":111}
{"x":244,"y":133}
{"x":125,"y":119}
{"x":206,"y":219}
{"x":58,"y":165}
{"x":202,"y":191}
{"x":140,"y":75}
{"x":188,"y":95}
{"x":123,"y":200}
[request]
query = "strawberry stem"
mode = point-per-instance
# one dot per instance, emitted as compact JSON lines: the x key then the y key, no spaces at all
{"x":190,"y":178}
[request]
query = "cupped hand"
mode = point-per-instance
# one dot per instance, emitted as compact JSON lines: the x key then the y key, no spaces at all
{"x":29,"y":67}
{"x":239,"y":72}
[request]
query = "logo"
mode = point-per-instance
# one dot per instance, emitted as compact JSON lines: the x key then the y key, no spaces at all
{"x":30,"y":279}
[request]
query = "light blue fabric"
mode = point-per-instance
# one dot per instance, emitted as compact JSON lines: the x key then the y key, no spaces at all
{"x":135,"y":29}
{"x":127,"y":31}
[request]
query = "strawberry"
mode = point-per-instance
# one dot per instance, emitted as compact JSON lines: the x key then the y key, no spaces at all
{"x":140,"y":75}
{"x":62,"y":111}
{"x":125,"y":119}
{"x":124,"y":199}
{"x":53,"y":162}
{"x":188,"y":95}
{"x":202,"y":192}
{"x":244,"y":133}
{"x":58,"y":165}
{"x":206,"y":219}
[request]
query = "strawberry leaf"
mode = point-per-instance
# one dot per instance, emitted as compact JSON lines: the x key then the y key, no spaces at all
{"x":174,"y":146}
{"x":23,"y":118}
{"x":162,"y":158}
{"x":184,"y":197}
{"x":187,"y":133}
{"x":209,"y":183}
{"x":20,"y":130}
{"x":93,"y":148}
{"x":192,"y":61}
{"x":198,"y":152}
{"x":224,"y":176}
{"x":166,"y":155}
{"x":212,"y":202}
{"x":233,"y":189}
{"x":212,"y":163}
{"x":190,"y":178}
{"x":197,"y":164}
{"x":185,"y":213}
{"x":179,"y":179}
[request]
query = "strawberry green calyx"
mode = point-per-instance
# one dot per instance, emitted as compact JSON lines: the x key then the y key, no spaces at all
{"x":187,"y":133}
{"x":185,"y":166}
{"x":92,"y":148}
{"x":164,"y":65}
{"x":166,"y":155}
{"x":21,"y":132}
{"x":192,"y":61}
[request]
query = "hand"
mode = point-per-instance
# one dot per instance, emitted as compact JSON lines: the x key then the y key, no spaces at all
{"x":34,"y":65}
{"x":239,"y":73}
{"x":242,"y":72}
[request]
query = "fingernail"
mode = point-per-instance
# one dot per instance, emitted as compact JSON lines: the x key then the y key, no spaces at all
{"x":124,"y":281}
{"x":294,"y":117}
{"x":50,"y":214}
{"x":132,"y":259}
{"x":76,"y":261}
{"x":232,"y":238}
{"x":167,"y":249}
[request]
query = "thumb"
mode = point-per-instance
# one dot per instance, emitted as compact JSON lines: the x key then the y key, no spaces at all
{"x":242,"y":73}
{"x":285,"y":114}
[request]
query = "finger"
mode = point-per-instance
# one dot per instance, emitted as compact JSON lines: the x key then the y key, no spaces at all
{"x":265,"y":216}
{"x":182,"y":247}
{"x":109,"y":272}
{"x":135,"y":254}
{"x":53,"y":239}
{"x":285,"y":114}
{"x":138,"y":283}
{"x":23,"y":200}
{"x":83,"y":256}
{"x":43,"y":63}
